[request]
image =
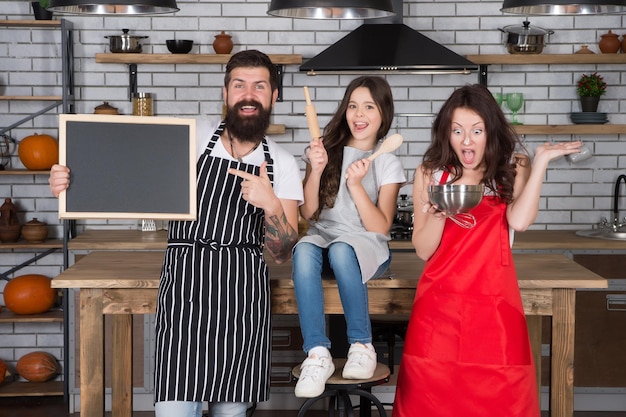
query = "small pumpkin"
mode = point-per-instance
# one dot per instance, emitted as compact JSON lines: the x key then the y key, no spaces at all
{"x":29,"y":294}
{"x":38,"y":152}
{"x":38,"y":366}
{"x":4,"y":371}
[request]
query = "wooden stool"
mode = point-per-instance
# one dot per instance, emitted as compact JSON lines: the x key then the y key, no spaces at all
{"x":340,"y":389}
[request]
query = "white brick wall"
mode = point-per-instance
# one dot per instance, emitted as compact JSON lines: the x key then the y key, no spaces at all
{"x":574,"y":196}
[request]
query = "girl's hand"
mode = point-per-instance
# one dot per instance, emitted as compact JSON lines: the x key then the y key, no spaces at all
{"x":552,"y":151}
{"x":356,"y":171}
{"x":318,"y":158}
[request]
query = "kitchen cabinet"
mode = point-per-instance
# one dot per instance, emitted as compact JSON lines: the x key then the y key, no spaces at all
{"x":600,"y":323}
{"x":280,"y":60}
{"x":547,"y":59}
{"x":65,"y":104}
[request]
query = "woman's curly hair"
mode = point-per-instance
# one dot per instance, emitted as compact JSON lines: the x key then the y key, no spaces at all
{"x":499,"y":159}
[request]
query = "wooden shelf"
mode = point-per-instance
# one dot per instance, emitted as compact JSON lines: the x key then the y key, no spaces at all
{"x":22,"y":172}
{"x":31,"y":389}
{"x":123,"y":58}
{"x":52,"y":316}
{"x":22,"y":244}
{"x":526,"y":59}
{"x":32,"y":98}
{"x":31,"y":23}
{"x":573,"y":129}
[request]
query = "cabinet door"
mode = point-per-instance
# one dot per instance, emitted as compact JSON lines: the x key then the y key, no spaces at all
{"x":600,"y":341}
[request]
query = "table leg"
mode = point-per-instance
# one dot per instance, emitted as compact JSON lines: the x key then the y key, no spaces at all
{"x":122,"y":367}
{"x":562,"y":375}
{"x":534,"y":332}
{"x":91,"y":353}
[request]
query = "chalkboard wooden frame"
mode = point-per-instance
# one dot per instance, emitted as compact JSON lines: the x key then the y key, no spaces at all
{"x":128,"y":167}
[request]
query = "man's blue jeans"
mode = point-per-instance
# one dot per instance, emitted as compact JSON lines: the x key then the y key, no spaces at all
{"x":194,"y":409}
{"x":308,"y":262}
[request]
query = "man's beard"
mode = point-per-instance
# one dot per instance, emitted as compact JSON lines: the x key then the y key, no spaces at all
{"x":247,"y":128}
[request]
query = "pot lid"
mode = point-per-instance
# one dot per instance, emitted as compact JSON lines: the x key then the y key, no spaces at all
{"x":525,"y":29}
{"x":125,"y":35}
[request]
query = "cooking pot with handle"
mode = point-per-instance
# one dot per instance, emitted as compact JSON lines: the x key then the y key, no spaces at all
{"x":125,"y":43}
{"x":525,"y":39}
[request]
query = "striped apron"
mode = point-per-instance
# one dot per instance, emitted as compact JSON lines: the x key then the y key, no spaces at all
{"x":213,"y":313}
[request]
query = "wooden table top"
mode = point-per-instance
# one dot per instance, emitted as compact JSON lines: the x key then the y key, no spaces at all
{"x":128,"y":269}
{"x":548,"y":240}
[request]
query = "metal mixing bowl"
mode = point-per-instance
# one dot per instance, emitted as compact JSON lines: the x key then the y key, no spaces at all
{"x":455,"y":198}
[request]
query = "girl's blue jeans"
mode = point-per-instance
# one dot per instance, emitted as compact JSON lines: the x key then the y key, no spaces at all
{"x":308,"y":267}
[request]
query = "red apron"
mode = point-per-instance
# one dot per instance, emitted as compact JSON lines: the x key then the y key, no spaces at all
{"x":467,"y":351}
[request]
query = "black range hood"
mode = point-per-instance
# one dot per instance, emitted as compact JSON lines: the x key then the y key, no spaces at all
{"x":387,"y":48}
{"x":386,"y":45}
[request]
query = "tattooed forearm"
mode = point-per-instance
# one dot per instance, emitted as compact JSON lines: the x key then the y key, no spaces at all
{"x":280,"y":237}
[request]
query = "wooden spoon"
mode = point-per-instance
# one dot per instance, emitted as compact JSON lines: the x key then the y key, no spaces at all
{"x":390,"y":144}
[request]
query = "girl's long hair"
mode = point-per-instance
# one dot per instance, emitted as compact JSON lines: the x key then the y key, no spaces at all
{"x":337,"y":134}
{"x":499,"y":162}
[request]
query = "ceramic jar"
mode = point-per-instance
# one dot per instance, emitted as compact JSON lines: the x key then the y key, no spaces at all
{"x":10,"y":226}
{"x":223,"y":43}
{"x":623,"y":43}
{"x":105,"y":108}
{"x":609,"y":43}
{"x":10,"y":233}
{"x":35,"y":231}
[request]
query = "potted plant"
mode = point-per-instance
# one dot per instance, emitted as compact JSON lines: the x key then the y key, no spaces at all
{"x":40,"y":9}
{"x":589,"y":88}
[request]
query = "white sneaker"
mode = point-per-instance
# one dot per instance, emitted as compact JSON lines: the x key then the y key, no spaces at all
{"x":314,"y":372}
{"x":361,"y":362}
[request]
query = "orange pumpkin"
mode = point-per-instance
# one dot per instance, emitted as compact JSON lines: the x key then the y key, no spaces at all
{"x":38,"y":366}
{"x":38,"y":152}
{"x":29,"y":294}
{"x":4,"y":372}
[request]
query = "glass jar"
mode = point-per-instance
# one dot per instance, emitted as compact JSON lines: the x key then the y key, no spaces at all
{"x":142,"y":104}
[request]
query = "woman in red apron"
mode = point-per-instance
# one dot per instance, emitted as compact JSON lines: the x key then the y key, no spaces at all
{"x":467,"y":351}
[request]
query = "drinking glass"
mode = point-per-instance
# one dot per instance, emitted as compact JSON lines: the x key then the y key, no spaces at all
{"x":515,"y":101}
{"x":499,"y":98}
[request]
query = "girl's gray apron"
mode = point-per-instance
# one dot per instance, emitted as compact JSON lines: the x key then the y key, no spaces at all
{"x":213,"y":311}
{"x":343,"y":224}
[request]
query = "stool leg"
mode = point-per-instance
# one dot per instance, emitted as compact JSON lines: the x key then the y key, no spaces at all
{"x":344,"y":405}
{"x":372,"y":398}
{"x":308,"y":403}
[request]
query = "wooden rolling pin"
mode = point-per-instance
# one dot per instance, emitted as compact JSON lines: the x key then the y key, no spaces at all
{"x":311,"y":116}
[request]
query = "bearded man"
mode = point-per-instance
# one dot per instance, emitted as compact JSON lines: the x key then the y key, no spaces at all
{"x":213,"y":331}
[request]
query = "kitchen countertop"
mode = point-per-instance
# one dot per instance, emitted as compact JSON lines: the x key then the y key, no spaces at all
{"x":529,"y":241}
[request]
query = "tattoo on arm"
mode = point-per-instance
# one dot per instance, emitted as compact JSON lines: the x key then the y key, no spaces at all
{"x":279,"y":237}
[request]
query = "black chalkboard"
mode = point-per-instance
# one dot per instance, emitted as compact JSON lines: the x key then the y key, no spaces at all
{"x":128,"y":167}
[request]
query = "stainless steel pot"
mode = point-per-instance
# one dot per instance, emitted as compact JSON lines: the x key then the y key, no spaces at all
{"x":125,"y":43}
{"x":404,"y":216}
{"x":525,"y":39}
